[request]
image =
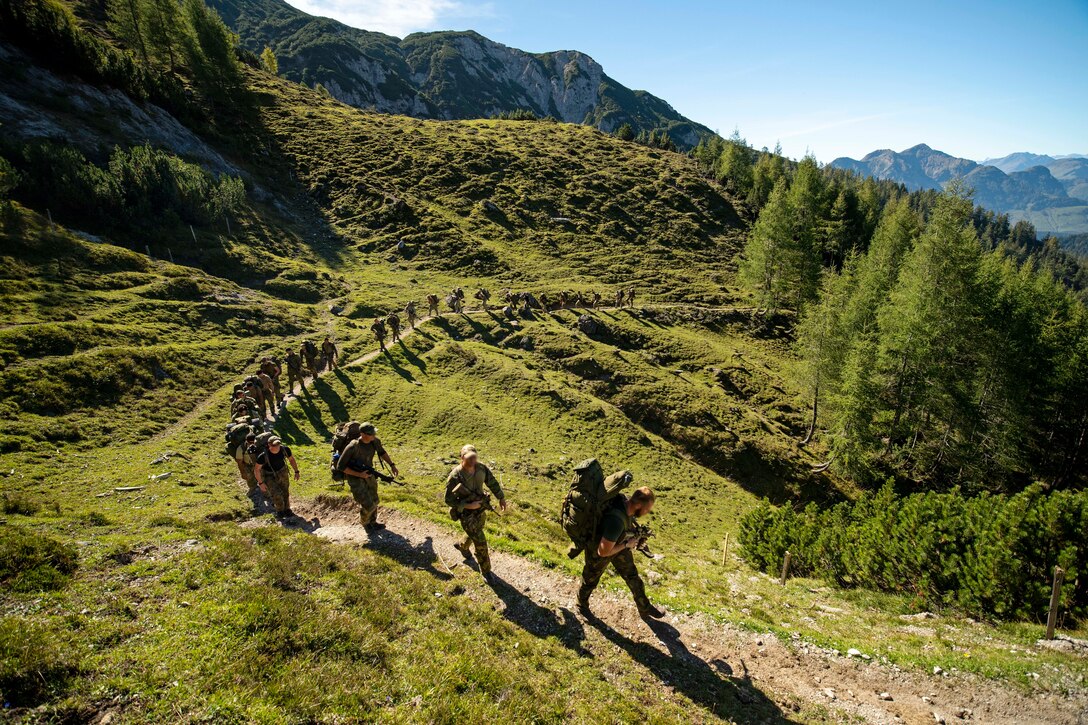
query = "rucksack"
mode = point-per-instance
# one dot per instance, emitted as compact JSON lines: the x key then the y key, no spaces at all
{"x":261,"y":443}
{"x":587,"y":500}
{"x":345,"y":433}
{"x":310,"y":347}
{"x":236,"y":436}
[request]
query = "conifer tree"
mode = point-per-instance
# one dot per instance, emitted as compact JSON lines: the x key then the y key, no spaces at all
{"x":269,"y":61}
{"x":765,"y":266}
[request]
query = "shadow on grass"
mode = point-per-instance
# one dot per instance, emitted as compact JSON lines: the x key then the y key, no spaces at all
{"x":345,"y":379}
{"x":397,"y":367}
{"x":413,"y":358}
{"x":708,"y":684}
{"x":331,"y":398}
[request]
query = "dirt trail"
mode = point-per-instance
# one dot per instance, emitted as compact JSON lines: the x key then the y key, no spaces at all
{"x":728,"y":672}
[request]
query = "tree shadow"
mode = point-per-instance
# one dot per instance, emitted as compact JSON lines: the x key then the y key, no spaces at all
{"x":708,"y":684}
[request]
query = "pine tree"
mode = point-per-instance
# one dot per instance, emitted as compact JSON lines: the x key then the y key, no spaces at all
{"x":269,"y":62}
{"x":764,"y":267}
{"x":126,"y":22}
{"x":734,"y":167}
{"x":930,"y":332}
{"x":164,"y":30}
{"x":823,"y":341}
{"x":852,"y":442}
{"x":806,"y":205}
{"x":625,"y":132}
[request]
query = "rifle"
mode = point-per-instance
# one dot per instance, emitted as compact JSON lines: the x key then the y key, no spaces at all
{"x":378,"y":474}
{"x":642,"y":532}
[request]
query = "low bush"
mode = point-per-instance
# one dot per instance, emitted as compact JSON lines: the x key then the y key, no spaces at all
{"x":31,"y":562}
{"x":987,"y":555}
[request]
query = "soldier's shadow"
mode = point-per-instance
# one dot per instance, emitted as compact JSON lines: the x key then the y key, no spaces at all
{"x":537,"y":620}
{"x":393,"y":545}
{"x":709,"y":684}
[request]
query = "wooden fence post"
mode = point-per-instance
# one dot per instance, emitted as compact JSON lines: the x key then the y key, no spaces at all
{"x":170,"y":254}
{"x":1052,"y":617}
{"x":786,"y":567}
{"x":725,"y":549}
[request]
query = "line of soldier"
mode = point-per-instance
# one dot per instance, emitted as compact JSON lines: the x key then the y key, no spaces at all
{"x":469,"y":487}
{"x":261,"y":457}
{"x":390,"y":325}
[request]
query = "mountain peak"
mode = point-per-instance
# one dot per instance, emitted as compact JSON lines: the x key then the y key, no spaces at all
{"x":447,"y":74}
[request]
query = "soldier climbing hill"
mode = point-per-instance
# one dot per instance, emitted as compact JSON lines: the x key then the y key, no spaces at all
{"x":432,"y":305}
{"x":620,"y":297}
{"x":294,"y":371}
{"x":357,"y":465}
{"x":332,"y":355}
{"x":308,"y":350}
{"x":393,"y":321}
{"x":469,"y":502}
{"x":614,"y":546}
{"x":379,"y":332}
{"x":631,"y":297}
{"x":410,"y":313}
{"x":273,"y":476}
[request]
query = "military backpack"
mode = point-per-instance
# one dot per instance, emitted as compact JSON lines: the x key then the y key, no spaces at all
{"x":345,"y":433}
{"x":585,"y":502}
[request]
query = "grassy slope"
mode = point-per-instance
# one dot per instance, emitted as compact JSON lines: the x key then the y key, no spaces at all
{"x":147,"y":609}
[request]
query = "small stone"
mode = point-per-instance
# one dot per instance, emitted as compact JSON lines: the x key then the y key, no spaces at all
{"x":853,"y":652}
{"x":184,"y":604}
{"x":829,"y":693}
{"x":964,"y":714}
{"x":939,"y":719}
{"x":927,"y":700}
{"x":886,"y":696}
{"x":937,"y":670}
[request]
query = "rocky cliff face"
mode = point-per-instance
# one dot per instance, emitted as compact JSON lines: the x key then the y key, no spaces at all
{"x":446,"y":75}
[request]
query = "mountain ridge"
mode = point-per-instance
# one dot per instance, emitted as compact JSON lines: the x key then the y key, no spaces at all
{"x":448,"y":74}
{"x":1050,"y":193}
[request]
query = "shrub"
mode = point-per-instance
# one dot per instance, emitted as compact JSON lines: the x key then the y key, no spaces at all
{"x":31,"y":562}
{"x":989,"y":554}
{"x":35,"y":662}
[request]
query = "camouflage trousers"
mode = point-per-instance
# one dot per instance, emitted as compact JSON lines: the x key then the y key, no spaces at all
{"x":311,"y":362}
{"x":292,"y":378}
{"x":624,"y":564}
{"x":472,"y":521}
{"x":365,"y":493}
{"x":279,"y":488}
{"x":276,"y":389}
{"x":246,"y":470}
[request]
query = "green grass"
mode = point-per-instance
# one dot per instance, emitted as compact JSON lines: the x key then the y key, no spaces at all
{"x":174,"y":612}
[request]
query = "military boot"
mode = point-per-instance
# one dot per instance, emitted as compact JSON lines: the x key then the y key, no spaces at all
{"x":647,"y":610}
{"x":464,"y":549}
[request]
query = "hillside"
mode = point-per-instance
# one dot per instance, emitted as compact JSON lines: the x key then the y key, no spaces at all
{"x":136,"y":291}
{"x":447,"y":75}
{"x":1050,"y":194}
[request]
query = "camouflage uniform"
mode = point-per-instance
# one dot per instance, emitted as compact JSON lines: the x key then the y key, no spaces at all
{"x":631,"y":297}
{"x":309,"y":354}
{"x":278,"y":484}
{"x":272,"y":369}
{"x":268,"y":389}
{"x":379,"y":332}
{"x":246,"y":462}
{"x":294,"y":370}
{"x":359,"y":455}
{"x":255,"y":390}
{"x":393,"y":321}
{"x":596,"y":300}
{"x":328,"y":349}
{"x":463,"y":487}
{"x":623,"y":563}
{"x":410,"y":313}
{"x":432,"y":306}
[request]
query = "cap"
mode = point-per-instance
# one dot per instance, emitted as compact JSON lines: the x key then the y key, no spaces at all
{"x":368,"y":428}
{"x":251,"y":437}
{"x":273,"y":441}
{"x":468,"y":450}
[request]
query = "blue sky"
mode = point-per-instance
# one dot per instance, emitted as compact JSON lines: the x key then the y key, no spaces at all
{"x":975,"y":79}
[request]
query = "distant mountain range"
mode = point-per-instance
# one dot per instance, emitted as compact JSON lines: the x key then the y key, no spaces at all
{"x":1050,"y":192}
{"x":446,"y":75}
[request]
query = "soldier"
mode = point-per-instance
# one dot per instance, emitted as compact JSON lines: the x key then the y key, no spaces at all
{"x":619,"y":298}
{"x":563,"y":300}
{"x":508,"y":312}
{"x":379,"y":332}
{"x":631,"y":297}
{"x":615,"y":547}
{"x":268,"y":389}
{"x":579,"y":300}
{"x":294,"y":371}
{"x":596,"y":300}
{"x":469,"y":502}
{"x":545,"y":302}
{"x":393,"y":320}
{"x":357,"y":464}
{"x":483,"y":296}
{"x":332,"y":355}
{"x":453,"y":302}
{"x":246,"y":462}
{"x":273,"y":477}
{"x":410,"y":313}
{"x":272,"y":369}
{"x":309,"y":353}
{"x":243,"y":406}
{"x":255,"y":390}
{"x":432,"y":306}
{"x":508,"y":298}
